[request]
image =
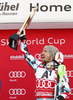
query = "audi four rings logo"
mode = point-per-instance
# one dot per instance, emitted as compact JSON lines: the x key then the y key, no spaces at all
{"x":42,"y":83}
{"x":17,"y":74}
{"x":69,"y":73}
{"x":38,"y":56}
{"x":18,"y":91}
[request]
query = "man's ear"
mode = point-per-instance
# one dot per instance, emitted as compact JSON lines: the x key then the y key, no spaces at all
{"x":51,"y":59}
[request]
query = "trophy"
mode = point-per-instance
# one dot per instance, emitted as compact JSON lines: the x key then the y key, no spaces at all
{"x":13,"y":39}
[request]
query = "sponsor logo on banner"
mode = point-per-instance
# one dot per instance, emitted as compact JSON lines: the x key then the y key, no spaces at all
{"x":45,"y":7}
{"x":17,"y":91}
{"x":42,"y":83}
{"x":66,"y":56}
{"x":17,"y":57}
{"x":38,"y":56}
{"x":7,"y":9}
{"x":11,"y":11}
{"x":69,"y":73}
{"x":5,"y":6}
{"x":17,"y":74}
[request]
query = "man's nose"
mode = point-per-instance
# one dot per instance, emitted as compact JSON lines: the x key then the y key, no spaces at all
{"x":42,"y":53}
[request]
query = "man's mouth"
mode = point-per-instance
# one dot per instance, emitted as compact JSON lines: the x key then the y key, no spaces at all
{"x":43,"y":57}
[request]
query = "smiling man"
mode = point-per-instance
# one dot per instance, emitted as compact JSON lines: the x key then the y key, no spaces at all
{"x":45,"y":72}
{"x":48,"y":53}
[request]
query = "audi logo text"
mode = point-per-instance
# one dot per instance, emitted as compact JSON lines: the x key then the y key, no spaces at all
{"x":17,"y":74}
{"x":18,"y":91}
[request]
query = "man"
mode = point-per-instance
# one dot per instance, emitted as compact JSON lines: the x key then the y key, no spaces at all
{"x":44,"y":72}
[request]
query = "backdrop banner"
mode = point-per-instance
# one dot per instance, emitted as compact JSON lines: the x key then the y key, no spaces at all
{"x":17,"y":77}
{"x":48,"y":12}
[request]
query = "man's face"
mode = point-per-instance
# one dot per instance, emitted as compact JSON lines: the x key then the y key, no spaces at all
{"x":46,"y":56}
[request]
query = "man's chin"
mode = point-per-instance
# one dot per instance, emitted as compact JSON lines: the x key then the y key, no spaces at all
{"x":42,"y":60}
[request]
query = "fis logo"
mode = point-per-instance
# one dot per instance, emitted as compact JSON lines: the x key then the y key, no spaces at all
{"x":59,"y":57}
